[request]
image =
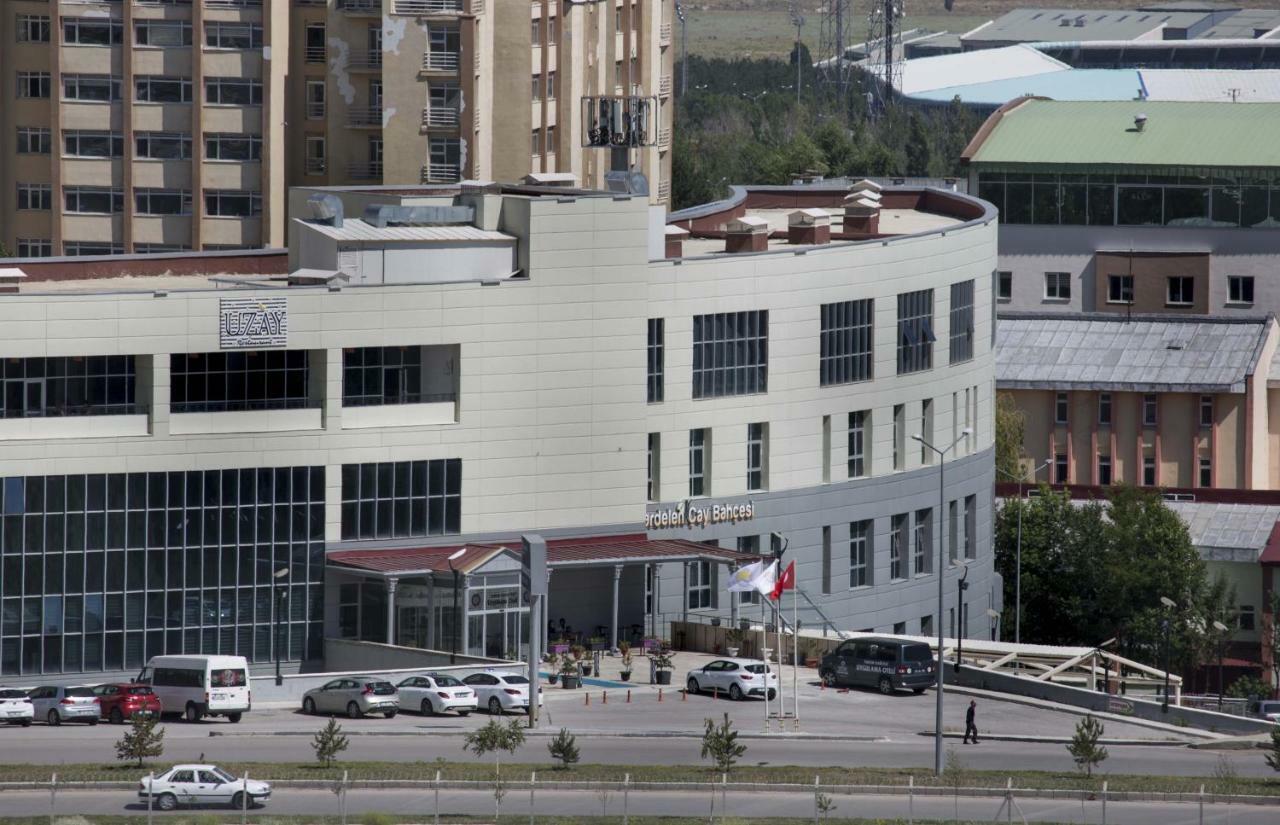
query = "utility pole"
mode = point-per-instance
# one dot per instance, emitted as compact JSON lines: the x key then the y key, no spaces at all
{"x":684,"y":50}
{"x":797,"y":20}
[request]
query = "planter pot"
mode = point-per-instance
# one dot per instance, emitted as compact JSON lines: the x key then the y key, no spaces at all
{"x":570,"y":682}
{"x":733,"y":651}
{"x":553,"y":678}
{"x":586,"y":670}
{"x":625,"y":675}
{"x":715,"y":621}
{"x":664,"y":677}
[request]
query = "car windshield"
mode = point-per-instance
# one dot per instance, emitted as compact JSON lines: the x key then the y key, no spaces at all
{"x":446,"y":681}
{"x":227,"y":677}
{"x":140,"y":691}
{"x":80,"y":691}
{"x":515,"y":680}
{"x":917,"y":653}
{"x":382,"y":688}
{"x":10,"y":693}
{"x":223,"y":775}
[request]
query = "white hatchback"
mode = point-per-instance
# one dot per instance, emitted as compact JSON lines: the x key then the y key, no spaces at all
{"x":16,"y":707}
{"x":433,"y":693}
{"x":735,"y":678}
{"x":201,"y":785}
{"x":500,"y":692}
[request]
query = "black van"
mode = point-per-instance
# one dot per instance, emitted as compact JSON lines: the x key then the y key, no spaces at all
{"x":882,"y":663}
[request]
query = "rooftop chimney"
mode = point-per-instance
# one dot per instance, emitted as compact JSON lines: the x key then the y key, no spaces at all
{"x":1139,"y":121}
{"x":862,"y":209}
{"x":746,"y":234}
{"x":10,"y":277}
{"x":809,"y":226}
{"x":675,"y":238}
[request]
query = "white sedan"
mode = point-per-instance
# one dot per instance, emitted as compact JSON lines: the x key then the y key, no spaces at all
{"x":201,"y":785}
{"x":433,"y":693}
{"x":16,"y":707}
{"x":735,"y":678}
{"x":500,"y":692}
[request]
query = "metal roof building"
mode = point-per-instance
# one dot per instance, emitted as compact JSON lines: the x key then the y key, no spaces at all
{"x":1040,"y":25}
{"x":1110,"y":352}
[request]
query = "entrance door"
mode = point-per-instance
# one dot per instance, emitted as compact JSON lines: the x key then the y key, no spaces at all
{"x":24,"y":397}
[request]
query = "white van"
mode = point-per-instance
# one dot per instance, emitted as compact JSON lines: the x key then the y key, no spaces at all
{"x":199,"y":686}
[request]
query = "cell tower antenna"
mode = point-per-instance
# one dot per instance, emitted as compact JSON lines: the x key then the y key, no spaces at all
{"x":837,"y":25}
{"x":884,"y":42}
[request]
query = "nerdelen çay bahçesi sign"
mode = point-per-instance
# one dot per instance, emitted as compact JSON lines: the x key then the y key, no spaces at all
{"x":689,"y":514}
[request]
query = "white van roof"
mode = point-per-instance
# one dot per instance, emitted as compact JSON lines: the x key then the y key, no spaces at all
{"x":198,"y":661}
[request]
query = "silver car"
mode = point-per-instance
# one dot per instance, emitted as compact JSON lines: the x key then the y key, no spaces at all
{"x":355,"y":696}
{"x":56,"y":704}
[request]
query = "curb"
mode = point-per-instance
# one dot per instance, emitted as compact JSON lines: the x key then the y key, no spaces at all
{"x":1064,"y":740}
{"x":590,"y":734}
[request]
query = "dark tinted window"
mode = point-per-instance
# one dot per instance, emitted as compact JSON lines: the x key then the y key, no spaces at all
{"x":446,"y":681}
{"x":515,"y":680}
{"x":917,"y":653}
{"x":12,"y":694}
{"x":79,"y":691}
{"x":140,"y":691}
{"x":381,"y":688}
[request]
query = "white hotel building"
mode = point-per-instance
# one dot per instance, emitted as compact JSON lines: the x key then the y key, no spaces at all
{"x":179,"y":451}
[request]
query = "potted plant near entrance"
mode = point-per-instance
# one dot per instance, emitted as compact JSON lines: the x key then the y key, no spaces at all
{"x":599,"y":643}
{"x":569,"y":678}
{"x":662,"y":664}
{"x":733,"y":640}
{"x":625,"y":673}
{"x":553,"y":667}
{"x":580,"y":659}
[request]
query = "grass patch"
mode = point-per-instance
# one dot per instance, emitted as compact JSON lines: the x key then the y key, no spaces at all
{"x":390,"y":819}
{"x":473,"y":771}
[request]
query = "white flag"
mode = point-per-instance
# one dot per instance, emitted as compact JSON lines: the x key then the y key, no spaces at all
{"x":759,"y":576}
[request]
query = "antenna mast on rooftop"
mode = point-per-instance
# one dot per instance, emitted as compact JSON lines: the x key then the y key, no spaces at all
{"x":837,"y":24}
{"x":884,"y":46}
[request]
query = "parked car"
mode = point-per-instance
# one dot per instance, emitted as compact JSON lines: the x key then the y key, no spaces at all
{"x":201,"y":785}
{"x":355,"y":696}
{"x":735,"y":678}
{"x":500,"y":692}
{"x":118,"y":702}
{"x":199,"y":686}
{"x":1266,"y":709}
{"x":433,"y":693}
{"x":56,"y":704}
{"x":15,"y":707}
{"x":885,"y":664}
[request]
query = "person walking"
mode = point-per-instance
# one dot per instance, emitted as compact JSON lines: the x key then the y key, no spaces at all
{"x":970,"y":728}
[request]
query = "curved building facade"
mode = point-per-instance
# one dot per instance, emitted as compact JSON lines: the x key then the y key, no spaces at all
{"x":187,"y":459}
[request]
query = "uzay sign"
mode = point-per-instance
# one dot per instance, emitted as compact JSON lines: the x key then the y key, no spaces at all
{"x":253,"y":323}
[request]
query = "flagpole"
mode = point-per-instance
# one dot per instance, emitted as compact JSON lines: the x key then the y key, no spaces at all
{"x":795,"y":656}
{"x":777,"y":624}
{"x":764,"y":642}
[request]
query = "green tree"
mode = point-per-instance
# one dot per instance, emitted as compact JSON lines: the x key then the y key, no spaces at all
{"x":328,"y":742}
{"x":1273,"y":755}
{"x":495,"y":738}
{"x":4,"y":251}
{"x":720,"y":744}
{"x":1084,"y":747}
{"x":1271,"y":639}
{"x":565,"y":748}
{"x":142,"y":739}
{"x":1011,"y":427}
{"x":919,"y":150}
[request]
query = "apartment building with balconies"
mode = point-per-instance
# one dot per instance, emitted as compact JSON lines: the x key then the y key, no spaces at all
{"x":141,"y":126}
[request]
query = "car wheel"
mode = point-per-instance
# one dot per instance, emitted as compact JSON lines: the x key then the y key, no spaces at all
{"x":691,"y":686}
{"x":93,"y":720}
{"x":233,"y":718}
{"x":735,"y":693}
{"x":427,"y":708}
{"x":192,"y":713}
{"x":391,"y":714}
{"x":828,"y":678}
{"x":237,"y":800}
{"x":917,"y":691}
{"x":463,"y":712}
{"x":117,"y":718}
{"x":54,"y":719}
{"x":26,"y":723}
{"x":495,"y":706}
{"x":773,"y":694}
{"x":886,"y":687}
{"x":353,"y":710}
{"x":166,"y":802}
{"x":309,"y":706}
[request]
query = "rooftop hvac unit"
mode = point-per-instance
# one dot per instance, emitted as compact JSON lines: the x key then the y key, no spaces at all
{"x":384,"y":215}
{"x":326,"y":209}
{"x":626,"y":183}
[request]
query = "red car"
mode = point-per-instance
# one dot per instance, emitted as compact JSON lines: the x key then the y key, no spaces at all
{"x":119,"y":702}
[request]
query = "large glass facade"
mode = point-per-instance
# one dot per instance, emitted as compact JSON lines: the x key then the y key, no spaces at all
{"x":1218,"y":197}
{"x":101,"y":572}
{"x":79,"y":385}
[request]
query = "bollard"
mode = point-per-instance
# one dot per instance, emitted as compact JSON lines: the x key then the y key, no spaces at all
{"x":1202,"y":805}
{"x":715,"y":692}
{"x":626,"y":786}
{"x":816,"y":793}
{"x":151,"y":777}
{"x":659,"y":694}
{"x":1104,"y":803}
{"x":911,"y":799}
{"x":533,"y":776}
{"x":628,"y":696}
{"x":684,"y":695}
{"x":342,"y":798}
{"x":586,"y":698}
{"x":437,"y":820}
{"x":53,"y":797}
{"x":604,"y":697}
{"x":244,"y":801}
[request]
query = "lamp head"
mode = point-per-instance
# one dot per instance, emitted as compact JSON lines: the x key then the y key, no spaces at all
{"x":281,"y":573}
{"x":457,"y":554}
{"x":993,"y":614}
{"x":967,"y":431}
{"x":1168,"y":602}
{"x":1108,"y":642}
{"x":916,"y":437}
{"x":1219,"y":626}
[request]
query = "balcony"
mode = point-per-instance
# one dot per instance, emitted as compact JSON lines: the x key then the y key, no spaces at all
{"x":365,"y":116}
{"x":664,"y":86}
{"x":315,"y":111}
{"x":232,"y":4}
{"x":440,"y":117}
{"x":365,"y":171}
{"x":103,"y":422}
{"x":440,"y":62}
{"x":434,"y":409}
{"x":441,"y":173}
{"x":245,"y":421}
{"x":314,"y":54}
{"x":664,"y":34}
{"x":362,"y":7}
{"x":425,"y":7}
{"x":315,"y":166}
{"x":365,"y":61}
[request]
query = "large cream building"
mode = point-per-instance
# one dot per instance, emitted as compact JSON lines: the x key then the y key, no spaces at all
{"x":161,"y":125}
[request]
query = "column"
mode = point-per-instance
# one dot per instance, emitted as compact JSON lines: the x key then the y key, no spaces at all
{"x":617,"y":576}
{"x":392,"y":582}
{"x":684,"y":594}
{"x":461,"y":618}
{"x":657,"y":600}
{"x":545,"y":631}
{"x":733,"y":599}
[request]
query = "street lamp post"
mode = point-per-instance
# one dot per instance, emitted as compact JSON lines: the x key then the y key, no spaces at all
{"x":1169,"y":604}
{"x":1106,"y":666}
{"x":942,"y":497}
{"x":282,"y":593}
{"x":1222,"y":644}
{"x":1017,"y":575}
{"x":961,"y":586}
{"x":994,"y":616}
{"x":453,"y":642}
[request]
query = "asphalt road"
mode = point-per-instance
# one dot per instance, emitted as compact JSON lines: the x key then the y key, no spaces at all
{"x":664,"y":803}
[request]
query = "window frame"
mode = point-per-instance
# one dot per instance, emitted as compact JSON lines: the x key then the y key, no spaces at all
{"x":1057,"y":286}
{"x":1118,"y":286}
{"x":656,"y":367}
{"x":1004,"y":285}
{"x":1061,"y":408}
{"x":846,"y":343}
{"x":915,"y":337}
{"x":856,"y":451}
{"x":757,"y":457}
{"x":962,"y":322}
{"x":719,"y":339}
{"x":698,"y":476}
{"x":1180,"y":290}
{"x":1237,"y":288}
{"x":1104,"y":408}
{"x":861,"y":553}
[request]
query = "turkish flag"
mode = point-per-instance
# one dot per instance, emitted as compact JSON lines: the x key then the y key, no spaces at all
{"x":786,"y":581}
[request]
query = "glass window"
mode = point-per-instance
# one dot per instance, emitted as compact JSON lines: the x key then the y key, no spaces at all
{"x":229,"y":203}
{"x":1060,"y":468}
{"x":730,"y":354}
{"x":1104,"y":408}
{"x":655,"y":467}
{"x":375,"y":376}
{"x":34,"y":85}
{"x":1057,"y":286}
{"x":1004,"y":286}
{"x":162,"y":201}
{"x":757,"y":456}
{"x":1060,"y":408}
{"x":1206,"y":472}
{"x":1206,"y":411}
{"x":162,"y":145}
{"x":1149,"y":471}
{"x":245,"y":380}
{"x":35,"y":196}
{"x":95,"y":200}
{"x":34,"y":140}
{"x":860,"y":553}
{"x":961,"y":322}
{"x":232,"y":91}
{"x":93,"y":88}
{"x":1139,"y":206}
{"x":915,"y":331}
{"x":400,"y":499}
{"x":92,"y":31}
{"x":228,"y":35}
{"x":857,"y":450}
{"x":899,"y":435}
{"x":656,"y":351}
{"x":35,"y":248}
{"x":970,"y":527}
{"x":1240,"y":289}
{"x":1119,"y":289}
{"x":162,"y":33}
{"x":1181,"y":290}
{"x":846,"y":342}
{"x":33,"y":28}
{"x":156,"y":89}
{"x":1149,"y":407}
{"x":699,"y":592}
{"x":922,"y":546}
{"x":237,"y":147}
{"x":1104,"y":469}
{"x":86,"y":144}
{"x":897,"y":544}
{"x":698,"y":463}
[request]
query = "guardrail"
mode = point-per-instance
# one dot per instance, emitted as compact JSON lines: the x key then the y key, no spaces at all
{"x":412,"y":7}
{"x":362,"y":6}
{"x":364,"y":116}
{"x":441,"y":173}
{"x":364,"y":60}
{"x":440,"y":61}
{"x":442,"y":117}
{"x":314,"y":166}
{"x":315,"y":111}
{"x":314,"y":54}
{"x":364,"y":171}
